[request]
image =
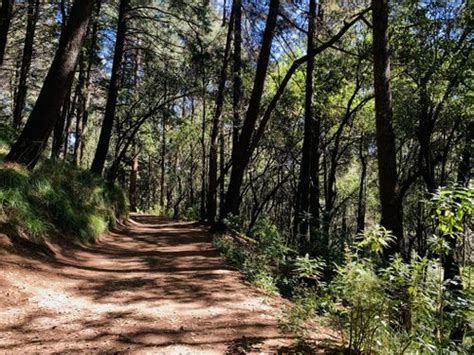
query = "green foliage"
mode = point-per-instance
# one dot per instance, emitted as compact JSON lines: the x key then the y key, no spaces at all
{"x":375,"y":239}
{"x":7,"y":136}
{"x":307,"y":267}
{"x":271,"y":244}
{"x":399,"y":306}
{"x":59,"y":197}
{"x":393,"y":305}
{"x":294,"y":318}
{"x":450,"y":209}
{"x":248,"y":262}
{"x":233,"y":223}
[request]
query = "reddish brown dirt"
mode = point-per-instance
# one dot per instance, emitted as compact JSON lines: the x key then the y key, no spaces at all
{"x":155,"y":286}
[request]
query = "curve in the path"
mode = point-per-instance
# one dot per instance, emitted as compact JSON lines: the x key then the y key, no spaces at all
{"x":154,"y":286}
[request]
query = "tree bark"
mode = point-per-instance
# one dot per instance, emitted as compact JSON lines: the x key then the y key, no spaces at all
{"x":424,"y":132}
{"x":302,"y":209}
{"x":33,"y":11}
{"x":212,"y":191}
{"x":392,"y":209}
{"x":111,"y":105}
{"x":243,"y":151}
{"x":61,"y":128}
{"x":89,"y":53}
{"x":32,"y":140}
{"x":362,"y":187}
{"x":5,"y":20}
{"x":163,"y":165}
{"x":133,"y":180}
{"x":203,"y":146}
{"x":465,"y":165}
{"x":237,"y":68}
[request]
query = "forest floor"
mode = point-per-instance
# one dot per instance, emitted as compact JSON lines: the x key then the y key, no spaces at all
{"x":151,"y":286}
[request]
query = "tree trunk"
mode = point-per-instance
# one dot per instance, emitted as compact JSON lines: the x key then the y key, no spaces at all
{"x":242,"y":154}
{"x":237,"y":68}
{"x":302,"y":210}
{"x":81,"y":106}
{"x":212,"y":191}
{"x":33,"y":138}
{"x":60,"y":128}
{"x":465,"y":165}
{"x":192,"y":168}
{"x":109,"y":116}
{"x":5,"y":19}
{"x":83,"y":114}
{"x":33,"y":11}
{"x":133,"y":180}
{"x":424,"y":133}
{"x":362,"y":187}
{"x":68,"y":112}
{"x":163,"y":165}
{"x":203,"y":147}
{"x":392,"y":213}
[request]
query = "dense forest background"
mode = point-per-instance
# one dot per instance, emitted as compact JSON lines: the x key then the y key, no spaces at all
{"x":338,"y":134}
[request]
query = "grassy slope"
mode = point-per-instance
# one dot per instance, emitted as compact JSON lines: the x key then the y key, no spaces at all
{"x":57,"y":198}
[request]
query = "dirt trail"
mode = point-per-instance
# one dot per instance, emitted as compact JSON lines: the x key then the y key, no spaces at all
{"x":155,"y":286}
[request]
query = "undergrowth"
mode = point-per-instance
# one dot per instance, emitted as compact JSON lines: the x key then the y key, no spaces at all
{"x":58,"y":198}
{"x":376,"y":305}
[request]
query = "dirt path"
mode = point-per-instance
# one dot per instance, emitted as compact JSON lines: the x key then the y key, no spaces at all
{"x":156,"y":286}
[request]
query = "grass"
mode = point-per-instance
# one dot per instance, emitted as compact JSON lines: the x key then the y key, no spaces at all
{"x":58,"y":198}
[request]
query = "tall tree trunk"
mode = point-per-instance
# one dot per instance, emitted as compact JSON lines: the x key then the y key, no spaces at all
{"x":465,"y":164}
{"x":315,"y":205}
{"x":68,"y":112}
{"x":237,"y":68}
{"x":203,"y":147}
{"x":81,"y":106}
{"x":302,"y":210}
{"x":109,"y":116}
{"x":60,"y":128}
{"x":83,"y":114}
{"x":191,"y":170}
{"x":59,"y":132}
{"x":33,"y":11}
{"x":5,"y":19}
{"x":362,"y":187}
{"x":221,"y":166}
{"x":242,"y":154}
{"x":32,"y":140}
{"x":133,"y":180}
{"x":392,"y":209}
{"x":212,"y":191}
{"x":424,"y":133}
{"x":163,"y":165}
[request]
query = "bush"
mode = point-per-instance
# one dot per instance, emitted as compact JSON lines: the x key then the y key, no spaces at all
{"x":57,"y":197}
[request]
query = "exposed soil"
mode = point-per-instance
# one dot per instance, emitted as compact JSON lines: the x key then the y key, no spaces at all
{"x":154,"y":286}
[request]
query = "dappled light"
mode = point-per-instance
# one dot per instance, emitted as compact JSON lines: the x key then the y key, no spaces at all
{"x":154,"y":285}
